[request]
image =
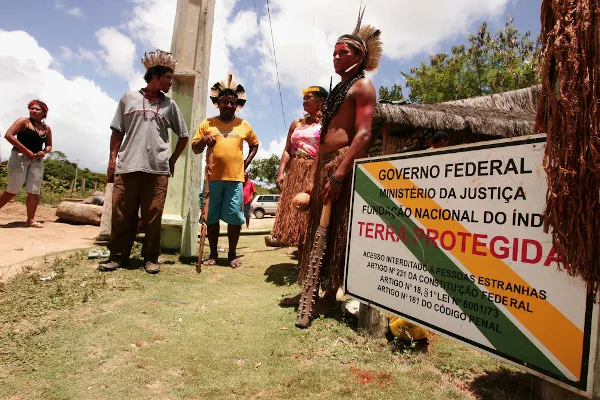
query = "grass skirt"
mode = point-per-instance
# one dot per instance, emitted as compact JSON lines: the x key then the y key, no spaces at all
{"x":290,"y":224}
{"x":335,"y":250}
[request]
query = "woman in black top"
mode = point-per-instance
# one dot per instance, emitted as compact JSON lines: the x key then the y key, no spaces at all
{"x":32,"y":140}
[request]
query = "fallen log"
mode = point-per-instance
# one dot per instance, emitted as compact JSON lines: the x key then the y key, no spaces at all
{"x":79,"y":213}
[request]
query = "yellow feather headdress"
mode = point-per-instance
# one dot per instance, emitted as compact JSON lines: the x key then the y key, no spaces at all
{"x":226,"y":87}
{"x":159,"y":57}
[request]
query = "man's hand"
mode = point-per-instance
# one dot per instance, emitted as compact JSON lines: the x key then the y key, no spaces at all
{"x":39,"y":154}
{"x":279,"y":182}
{"x":330,"y":192}
{"x":172,"y":166}
{"x":209,"y":140}
{"x":110,"y":172}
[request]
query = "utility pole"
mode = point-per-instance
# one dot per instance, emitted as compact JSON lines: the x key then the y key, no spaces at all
{"x":192,"y":37}
{"x":74,"y":185}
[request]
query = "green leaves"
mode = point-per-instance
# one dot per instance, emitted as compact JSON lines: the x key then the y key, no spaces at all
{"x":265,"y":170}
{"x":488,"y":63}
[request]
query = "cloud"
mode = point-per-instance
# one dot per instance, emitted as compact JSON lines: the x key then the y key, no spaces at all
{"x":305,"y":35}
{"x":151,"y":23}
{"x":75,"y":12}
{"x":68,"y":54}
{"x":80,"y":111}
{"x":118,"y":55}
{"x":275,"y":147}
{"x":242,"y":29}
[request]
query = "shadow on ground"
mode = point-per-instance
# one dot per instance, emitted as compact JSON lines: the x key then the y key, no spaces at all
{"x":503,"y":384}
{"x":14,"y":224}
{"x":282,"y":274}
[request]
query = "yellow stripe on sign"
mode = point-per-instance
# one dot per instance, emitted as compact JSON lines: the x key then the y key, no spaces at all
{"x":553,"y":329}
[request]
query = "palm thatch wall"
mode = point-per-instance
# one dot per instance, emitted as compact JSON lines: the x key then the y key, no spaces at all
{"x":471,"y":120}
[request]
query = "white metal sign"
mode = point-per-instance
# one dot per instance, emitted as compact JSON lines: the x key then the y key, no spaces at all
{"x":452,"y":239}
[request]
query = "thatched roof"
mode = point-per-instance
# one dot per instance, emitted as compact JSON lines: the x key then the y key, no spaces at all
{"x":506,"y":114}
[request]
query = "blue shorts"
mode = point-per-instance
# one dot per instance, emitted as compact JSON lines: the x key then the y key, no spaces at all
{"x":226,"y":201}
{"x":247,"y":210}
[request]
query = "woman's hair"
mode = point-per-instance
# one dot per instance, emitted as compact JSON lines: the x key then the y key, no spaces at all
{"x":40,"y":103}
{"x":318,"y":91}
{"x":157,"y":70}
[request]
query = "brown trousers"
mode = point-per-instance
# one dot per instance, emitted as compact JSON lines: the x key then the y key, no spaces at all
{"x":132,"y":192}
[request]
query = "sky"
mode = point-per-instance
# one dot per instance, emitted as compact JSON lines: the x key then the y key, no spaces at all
{"x":80,"y":56}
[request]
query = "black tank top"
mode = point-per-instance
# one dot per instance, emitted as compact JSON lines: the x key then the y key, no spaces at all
{"x":32,"y":140}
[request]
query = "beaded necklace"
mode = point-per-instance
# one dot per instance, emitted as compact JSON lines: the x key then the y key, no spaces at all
{"x":334,"y":101}
{"x":223,"y":121}
{"x":144,"y":98}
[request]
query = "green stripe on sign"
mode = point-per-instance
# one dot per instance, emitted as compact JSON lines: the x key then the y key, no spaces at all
{"x":506,"y":338}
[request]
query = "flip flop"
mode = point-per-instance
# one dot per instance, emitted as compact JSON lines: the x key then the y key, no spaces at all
{"x":94,"y":254}
{"x":235,"y":263}
{"x":209,"y":262}
{"x":36,"y":224}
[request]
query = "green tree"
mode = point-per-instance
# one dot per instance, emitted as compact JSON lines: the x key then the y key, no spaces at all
{"x":393,"y":93}
{"x":506,"y":60}
{"x":265,"y":169}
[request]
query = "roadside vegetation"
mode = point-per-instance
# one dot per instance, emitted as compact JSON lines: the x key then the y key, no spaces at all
{"x":59,"y":175}
{"x":68,"y":331}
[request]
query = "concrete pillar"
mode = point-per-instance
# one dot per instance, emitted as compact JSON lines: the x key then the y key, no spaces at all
{"x":192,"y":36}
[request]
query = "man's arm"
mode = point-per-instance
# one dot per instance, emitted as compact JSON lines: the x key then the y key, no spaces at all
{"x":198,"y":145}
{"x":116,"y":138}
{"x":179,"y":147}
{"x":365,"y":99}
{"x":250,"y":157}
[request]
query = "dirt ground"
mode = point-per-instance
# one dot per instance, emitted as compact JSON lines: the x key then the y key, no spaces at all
{"x":21,"y":245}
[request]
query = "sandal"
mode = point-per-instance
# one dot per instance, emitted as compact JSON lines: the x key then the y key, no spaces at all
{"x":209,"y":262}
{"x":235,"y":263}
{"x":35,"y":224}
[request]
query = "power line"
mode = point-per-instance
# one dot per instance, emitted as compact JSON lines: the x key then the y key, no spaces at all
{"x":312,"y":35}
{"x":264,"y":63}
{"x":276,"y":67}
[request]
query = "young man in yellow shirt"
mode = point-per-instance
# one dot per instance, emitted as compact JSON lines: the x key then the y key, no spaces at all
{"x":226,"y":133}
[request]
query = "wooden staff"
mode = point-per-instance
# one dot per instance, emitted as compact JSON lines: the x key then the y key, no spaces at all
{"x":204,"y":208}
{"x":310,"y":290}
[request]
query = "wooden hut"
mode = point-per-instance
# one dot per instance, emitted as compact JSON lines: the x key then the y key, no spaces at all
{"x":407,"y":127}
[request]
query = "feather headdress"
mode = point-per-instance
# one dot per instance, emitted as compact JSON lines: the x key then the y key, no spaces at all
{"x":367,"y":40}
{"x":321,"y":92}
{"x":226,"y":87}
{"x":158,"y":57}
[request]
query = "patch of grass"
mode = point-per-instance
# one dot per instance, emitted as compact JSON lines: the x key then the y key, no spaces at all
{"x":216,"y":335}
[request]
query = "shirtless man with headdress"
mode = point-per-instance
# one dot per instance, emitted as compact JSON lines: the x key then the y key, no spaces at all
{"x":346,"y":131}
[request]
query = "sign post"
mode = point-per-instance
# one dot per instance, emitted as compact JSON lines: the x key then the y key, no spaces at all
{"x":452,"y":239}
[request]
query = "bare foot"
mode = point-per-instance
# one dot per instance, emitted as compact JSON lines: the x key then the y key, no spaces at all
{"x":323,"y":305}
{"x":235,"y":263}
{"x":210,"y":261}
{"x":290,"y":301}
{"x":35,"y":224}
